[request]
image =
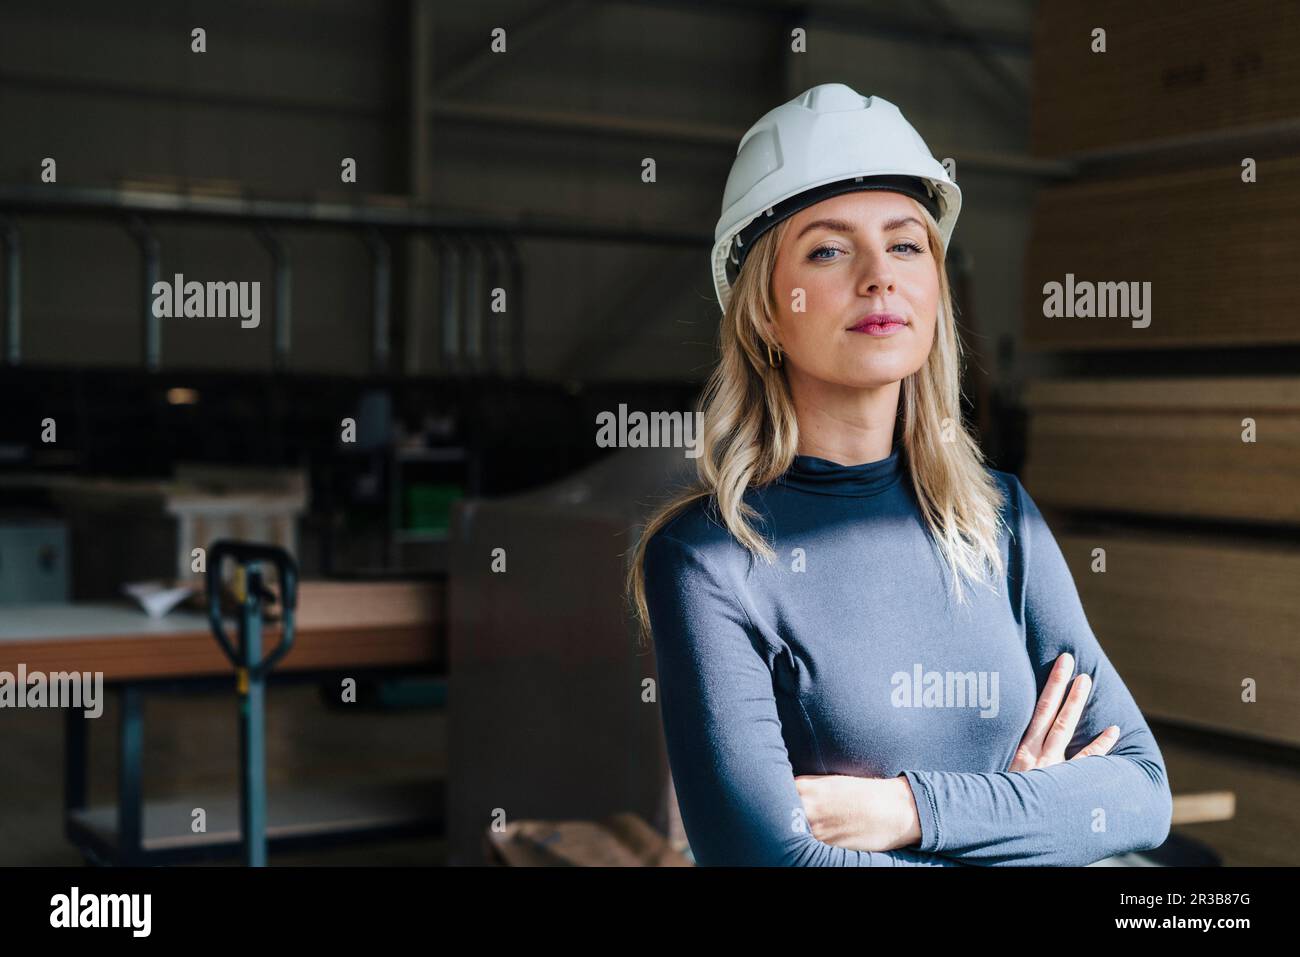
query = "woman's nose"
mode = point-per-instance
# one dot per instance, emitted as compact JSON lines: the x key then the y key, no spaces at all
{"x":877,"y":275}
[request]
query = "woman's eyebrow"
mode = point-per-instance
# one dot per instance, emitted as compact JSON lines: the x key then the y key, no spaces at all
{"x":844,"y":226}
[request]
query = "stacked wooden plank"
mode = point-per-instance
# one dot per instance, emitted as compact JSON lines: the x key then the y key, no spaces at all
{"x":1175,"y":498}
{"x":1218,"y":254}
{"x":1169,"y":70}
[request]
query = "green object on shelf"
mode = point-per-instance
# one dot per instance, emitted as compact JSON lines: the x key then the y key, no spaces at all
{"x":428,"y":505}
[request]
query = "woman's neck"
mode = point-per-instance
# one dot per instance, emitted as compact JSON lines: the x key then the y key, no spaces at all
{"x":842,"y":424}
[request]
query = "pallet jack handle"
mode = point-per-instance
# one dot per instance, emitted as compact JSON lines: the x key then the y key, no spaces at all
{"x":251,"y":554}
{"x":251,"y":669}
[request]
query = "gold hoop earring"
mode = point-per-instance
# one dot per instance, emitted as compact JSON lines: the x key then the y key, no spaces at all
{"x":779,"y":358}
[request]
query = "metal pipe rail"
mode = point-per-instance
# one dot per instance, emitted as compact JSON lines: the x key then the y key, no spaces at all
{"x":471,"y":339}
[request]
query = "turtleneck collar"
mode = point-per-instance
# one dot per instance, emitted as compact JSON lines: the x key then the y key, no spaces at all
{"x":809,"y":473}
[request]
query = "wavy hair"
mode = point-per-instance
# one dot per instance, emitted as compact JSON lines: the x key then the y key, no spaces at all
{"x":750,"y":434}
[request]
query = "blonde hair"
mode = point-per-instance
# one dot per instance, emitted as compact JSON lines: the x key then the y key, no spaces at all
{"x":750,"y":434}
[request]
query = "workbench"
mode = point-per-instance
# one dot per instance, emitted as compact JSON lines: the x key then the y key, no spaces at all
{"x":351,"y":630}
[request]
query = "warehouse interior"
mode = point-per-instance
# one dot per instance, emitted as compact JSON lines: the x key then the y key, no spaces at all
{"x":476,"y":228}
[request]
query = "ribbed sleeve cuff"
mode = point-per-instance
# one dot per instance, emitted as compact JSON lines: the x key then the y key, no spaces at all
{"x":926,"y":810}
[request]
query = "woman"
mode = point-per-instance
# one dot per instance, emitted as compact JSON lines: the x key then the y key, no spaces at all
{"x":839,"y":602}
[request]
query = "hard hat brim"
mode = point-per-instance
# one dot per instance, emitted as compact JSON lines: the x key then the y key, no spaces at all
{"x":947,"y":192}
{"x":743,"y":241}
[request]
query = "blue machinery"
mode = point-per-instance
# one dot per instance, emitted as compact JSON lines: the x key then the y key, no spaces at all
{"x":251,"y":670}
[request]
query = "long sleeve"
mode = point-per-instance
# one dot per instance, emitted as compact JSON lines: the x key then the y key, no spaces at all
{"x":1076,"y":812}
{"x":731,"y":770}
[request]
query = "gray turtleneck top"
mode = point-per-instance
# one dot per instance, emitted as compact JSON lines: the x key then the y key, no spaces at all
{"x":849,"y":656}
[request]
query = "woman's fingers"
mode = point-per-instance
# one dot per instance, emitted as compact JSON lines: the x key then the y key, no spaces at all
{"x":1049,"y":703}
{"x":1100,"y":744}
{"x":1054,"y":720}
{"x":1067,"y":719}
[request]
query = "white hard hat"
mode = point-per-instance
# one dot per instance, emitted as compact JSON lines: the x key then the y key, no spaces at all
{"x":826,"y":141}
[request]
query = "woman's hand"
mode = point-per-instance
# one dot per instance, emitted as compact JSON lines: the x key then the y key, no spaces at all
{"x":861,"y":814}
{"x":1052,"y":725}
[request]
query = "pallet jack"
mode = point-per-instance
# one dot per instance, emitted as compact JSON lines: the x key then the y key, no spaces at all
{"x":251,"y":668}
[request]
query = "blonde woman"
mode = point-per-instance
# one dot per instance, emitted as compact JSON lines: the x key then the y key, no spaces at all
{"x":864,"y":635}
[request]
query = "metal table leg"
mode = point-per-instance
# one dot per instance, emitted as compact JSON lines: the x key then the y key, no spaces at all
{"x":75,"y":736}
{"x":130,"y":773}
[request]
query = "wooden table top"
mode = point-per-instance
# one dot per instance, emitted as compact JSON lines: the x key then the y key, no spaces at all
{"x":126,"y":644}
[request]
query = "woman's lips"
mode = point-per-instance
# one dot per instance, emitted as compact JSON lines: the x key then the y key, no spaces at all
{"x":880,"y":324}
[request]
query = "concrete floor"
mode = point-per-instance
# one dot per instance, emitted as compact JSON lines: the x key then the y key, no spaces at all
{"x":191,"y":746}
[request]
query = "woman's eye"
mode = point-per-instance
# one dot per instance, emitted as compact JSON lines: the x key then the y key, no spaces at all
{"x":906,"y":245}
{"x":823,"y":249}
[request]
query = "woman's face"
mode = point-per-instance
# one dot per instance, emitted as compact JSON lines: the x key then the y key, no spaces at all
{"x":843,"y":261}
